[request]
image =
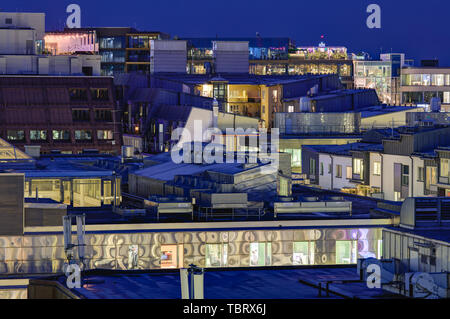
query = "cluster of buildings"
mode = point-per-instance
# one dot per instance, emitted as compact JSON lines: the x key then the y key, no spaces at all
{"x":336,"y":159}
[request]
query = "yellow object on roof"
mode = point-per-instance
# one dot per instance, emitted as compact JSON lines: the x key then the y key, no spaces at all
{"x":9,"y":152}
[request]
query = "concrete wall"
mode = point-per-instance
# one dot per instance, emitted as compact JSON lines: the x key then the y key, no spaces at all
{"x":330,"y":180}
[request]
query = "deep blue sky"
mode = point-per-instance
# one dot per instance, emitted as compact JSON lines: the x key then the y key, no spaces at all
{"x":419,"y":28}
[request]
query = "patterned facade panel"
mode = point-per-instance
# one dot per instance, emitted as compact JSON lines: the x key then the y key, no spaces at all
{"x":11,"y":241}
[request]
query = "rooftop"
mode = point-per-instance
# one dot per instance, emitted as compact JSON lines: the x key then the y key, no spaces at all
{"x":233,"y":78}
{"x":251,"y":283}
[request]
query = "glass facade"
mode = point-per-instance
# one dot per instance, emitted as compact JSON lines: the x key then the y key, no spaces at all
{"x":78,"y":192}
{"x":375,"y":75}
{"x":260,"y":254}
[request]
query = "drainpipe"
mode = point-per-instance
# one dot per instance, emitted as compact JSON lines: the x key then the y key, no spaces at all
{"x":412,"y":176}
{"x":332,"y":169}
{"x":382,"y":174}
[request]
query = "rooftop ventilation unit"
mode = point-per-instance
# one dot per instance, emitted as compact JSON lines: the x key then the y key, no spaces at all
{"x":425,"y":212}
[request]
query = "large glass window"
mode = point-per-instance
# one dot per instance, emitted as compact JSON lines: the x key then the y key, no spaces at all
{"x":112,"y":43}
{"x":431,"y":178}
{"x":105,"y":135}
{"x":87,"y":193}
{"x":171,"y":256}
{"x":61,"y":135}
{"x":346,"y":251}
{"x":216,"y":255}
{"x":83,"y":135}
{"x":260,"y":254}
{"x":358,"y":168}
{"x":38,"y":135}
{"x":303,"y":253}
{"x":437,"y":79}
{"x":13,"y":135}
{"x":296,"y":156}
{"x":45,"y":188}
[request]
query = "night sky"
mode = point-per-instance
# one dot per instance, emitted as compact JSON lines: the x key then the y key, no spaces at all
{"x":421,"y":29}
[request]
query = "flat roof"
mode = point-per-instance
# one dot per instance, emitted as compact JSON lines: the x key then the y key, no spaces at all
{"x":437,"y":233}
{"x":240,"y":283}
{"x":240,"y":79}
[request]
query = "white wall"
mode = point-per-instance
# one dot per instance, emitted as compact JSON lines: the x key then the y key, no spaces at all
{"x":330,"y":181}
{"x":48,"y":65}
{"x":415,"y":187}
{"x":34,"y":21}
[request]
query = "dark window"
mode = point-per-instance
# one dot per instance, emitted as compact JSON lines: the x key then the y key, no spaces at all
{"x":219,"y":91}
{"x":80,"y":115}
{"x":13,"y":135}
{"x":103,"y":115}
{"x":405,"y":175}
{"x":87,"y":70}
{"x":8,"y":21}
{"x":83,"y":135}
{"x":78,"y":94}
{"x":100,"y":94}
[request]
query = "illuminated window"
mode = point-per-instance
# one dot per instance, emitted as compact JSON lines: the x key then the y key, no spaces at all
{"x":100,"y":94}
{"x":358,"y":167}
{"x":61,"y":135}
{"x":133,"y":256}
{"x":349,"y":172}
{"x":83,"y":135}
{"x":105,"y":135}
{"x":216,"y":255}
{"x":290,"y":108}
{"x":45,"y":188}
{"x":87,"y":193}
{"x":303,"y":253}
{"x":171,"y":256}
{"x":38,"y":135}
{"x":444,"y":168}
{"x":260,"y":254}
{"x":377,"y":168}
{"x":346,"y":251}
